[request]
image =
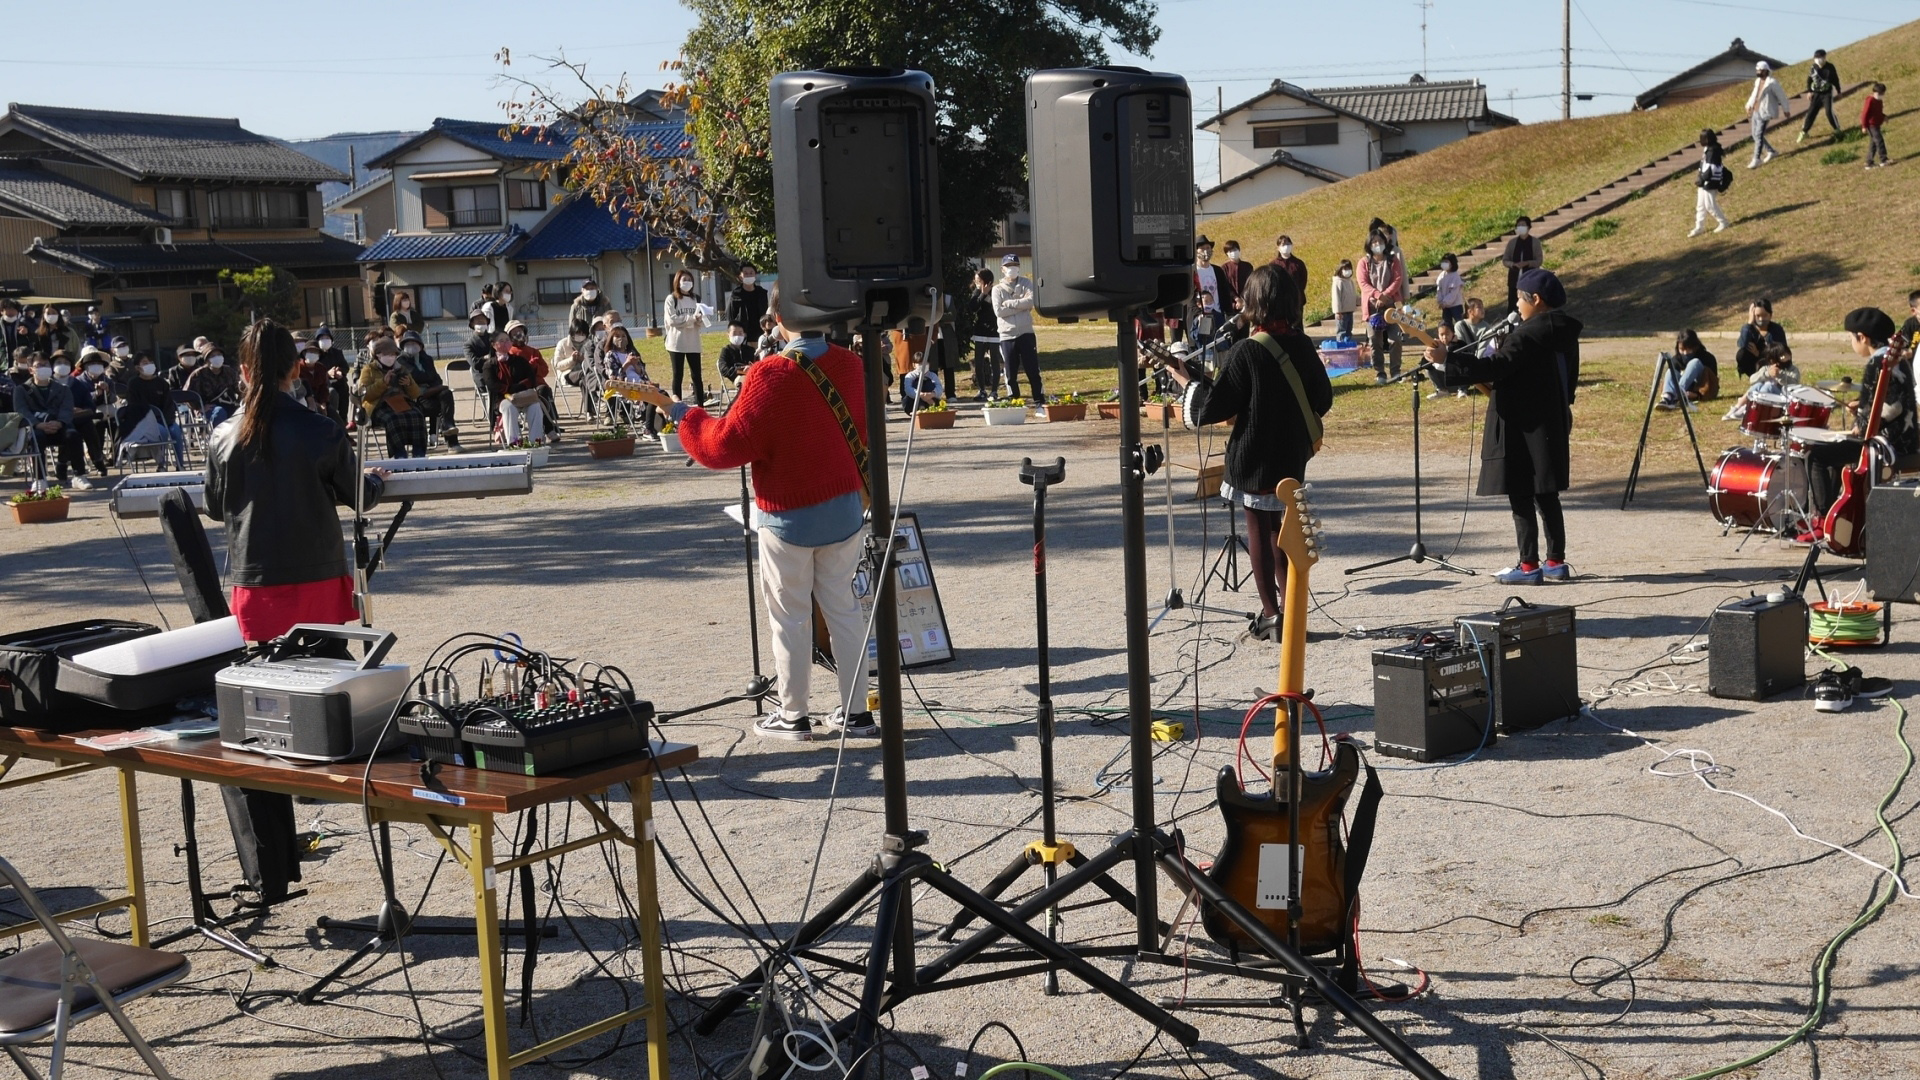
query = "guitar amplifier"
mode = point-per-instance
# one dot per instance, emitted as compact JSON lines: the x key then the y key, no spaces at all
{"x":1757,"y":647}
{"x":1893,"y":542}
{"x":1429,"y":700}
{"x":1532,"y":659}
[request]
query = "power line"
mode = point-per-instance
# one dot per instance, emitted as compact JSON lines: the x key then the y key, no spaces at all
{"x":1784,"y":11}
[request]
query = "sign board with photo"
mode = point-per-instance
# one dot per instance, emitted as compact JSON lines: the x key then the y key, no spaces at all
{"x":923,"y":623}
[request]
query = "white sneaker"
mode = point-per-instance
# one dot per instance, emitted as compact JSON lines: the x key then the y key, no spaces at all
{"x":1697,"y":230}
{"x":1770,"y":155}
{"x":1754,"y":164}
{"x":81,"y":483}
{"x":1722,"y":227}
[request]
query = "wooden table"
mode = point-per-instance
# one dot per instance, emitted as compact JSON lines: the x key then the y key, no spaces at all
{"x":455,"y":798}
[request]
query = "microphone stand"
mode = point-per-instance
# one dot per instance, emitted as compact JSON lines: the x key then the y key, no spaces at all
{"x":1418,"y":553}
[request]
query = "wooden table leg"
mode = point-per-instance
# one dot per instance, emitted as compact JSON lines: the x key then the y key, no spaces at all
{"x":136,"y":865}
{"x":640,"y":793}
{"x":486,"y":922}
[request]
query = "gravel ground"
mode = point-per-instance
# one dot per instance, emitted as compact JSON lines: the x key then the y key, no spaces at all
{"x":1523,"y":882}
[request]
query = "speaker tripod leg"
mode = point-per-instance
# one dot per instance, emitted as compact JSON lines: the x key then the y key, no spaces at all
{"x":835,"y":910}
{"x":1001,"y":883}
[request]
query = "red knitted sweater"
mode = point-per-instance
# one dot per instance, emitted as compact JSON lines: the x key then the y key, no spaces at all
{"x":783,"y":429}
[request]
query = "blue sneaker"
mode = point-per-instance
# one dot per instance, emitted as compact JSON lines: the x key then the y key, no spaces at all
{"x":1515,"y":575}
{"x":1556,"y":571}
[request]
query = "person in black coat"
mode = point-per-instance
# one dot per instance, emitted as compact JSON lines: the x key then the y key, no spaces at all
{"x":1525,"y":453}
{"x":1260,"y":388}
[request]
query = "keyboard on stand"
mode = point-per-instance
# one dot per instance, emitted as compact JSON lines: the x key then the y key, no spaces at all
{"x":463,"y":476}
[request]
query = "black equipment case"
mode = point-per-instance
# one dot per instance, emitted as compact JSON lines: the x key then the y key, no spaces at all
{"x":31,"y":694}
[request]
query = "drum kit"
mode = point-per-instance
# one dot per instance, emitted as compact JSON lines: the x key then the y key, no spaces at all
{"x":1764,"y":487}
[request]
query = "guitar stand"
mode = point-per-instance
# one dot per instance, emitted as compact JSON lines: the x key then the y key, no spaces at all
{"x":1418,"y":553}
{"x":1663,"y":369}
{"x":206,"y":922}
{"x":892,"y":972}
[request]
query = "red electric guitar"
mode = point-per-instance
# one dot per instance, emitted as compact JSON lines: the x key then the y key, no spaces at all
{"x":1846,"y":521}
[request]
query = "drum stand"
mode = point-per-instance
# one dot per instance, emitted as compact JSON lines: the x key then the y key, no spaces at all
{"x":1662,"y":368}
{"x":1418,"y":553}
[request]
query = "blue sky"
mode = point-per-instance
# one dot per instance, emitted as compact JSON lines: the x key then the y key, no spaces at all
{"x":354,"y":65}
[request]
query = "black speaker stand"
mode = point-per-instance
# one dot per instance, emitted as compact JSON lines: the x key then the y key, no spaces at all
{"x":1663,"y":370}
{"x":205,"y":921}
{"x":1418,"y":553}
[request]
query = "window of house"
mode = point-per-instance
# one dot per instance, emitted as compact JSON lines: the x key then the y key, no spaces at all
{"x":557,"y":290}
{"x":175,"y":203}
{"x":254,"y":208}
{"x":460,"y":207}
{"x":331,"y":304}
{"x":526,"y":195}
{"x":1274,"y":136}
{"x":197,"y":302}
{"x":441,"y":301}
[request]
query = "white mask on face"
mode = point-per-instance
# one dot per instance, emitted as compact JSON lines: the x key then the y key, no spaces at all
{"x":1010,"y":271}
{"x":686,"y":284}
{"x":61,"y":371}
{"x":96,"y":370}
{"x":1522,"y":230}
{"x":589,"y":293}
{"x":10,"y":318}
{"x":1379,"y":249}
{"x":42,"y":374}
{"x":748,"y":279}
{"x":122,"y":351}
{"x":506,"y":297}
{"x":410,"y":350}
{"x":325,"y":343}
{"x":189,"y":360}
{"x":736,"y":338}
{"x":1233,"y":256}
{"x":578,"y":339}
{"x":1286,"y":250}
{"x":388,"y":359}
{"x":216,"y":361}
{"x":1347,"y":272}
{"x":146,"y":368}
{"x":311,"y":357}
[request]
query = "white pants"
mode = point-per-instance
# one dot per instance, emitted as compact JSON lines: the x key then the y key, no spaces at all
{"x":511,"y":418}
{"x":1706,"y":204}
{"x":792,"y":578}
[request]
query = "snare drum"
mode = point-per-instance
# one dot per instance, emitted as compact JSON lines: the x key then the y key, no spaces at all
{"x":1764,"y":414}
{"x":1809,"y":406}
{"x":1801,"y":438}
{"x":1757,"y":491}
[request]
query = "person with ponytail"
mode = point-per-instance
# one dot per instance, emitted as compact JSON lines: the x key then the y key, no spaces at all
{"x":1274,"y":389}
{"x":274,"y":476}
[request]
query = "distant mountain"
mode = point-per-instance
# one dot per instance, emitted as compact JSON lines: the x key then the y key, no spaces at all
{"x":334,"y":150}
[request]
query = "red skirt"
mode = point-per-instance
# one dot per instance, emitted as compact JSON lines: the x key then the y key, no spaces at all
{"x":267,"y":611}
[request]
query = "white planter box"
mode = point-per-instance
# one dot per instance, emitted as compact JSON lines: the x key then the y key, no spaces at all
{"x":670,"y":442}
{"x":1005,"y":417}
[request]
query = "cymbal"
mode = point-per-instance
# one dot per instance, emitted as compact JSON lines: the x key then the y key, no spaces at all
{"x":1846,"y":385}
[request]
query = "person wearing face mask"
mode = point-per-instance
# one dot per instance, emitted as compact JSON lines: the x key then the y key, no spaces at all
{"x":218,"y":384}
{"x":389,"y":394}
{"x":1207,"y":297}
{"x":436,"y":397}
{"x":589,"y":305}
{"x":53,"y":334}
{"x":1759,"y":332}
{"x":14,"y":331}
{"x":807,"y":513}
{"x":46,"y":406}
{"x":120,"y":367}
{"x":747,"y":305}
{"x":1525,"y":453}
{"x":1383,"y":284}
{"x":1233,"y":277}
{"x":685,"y":317}
{"x":573,"y":358}
{"x":1450,"y":289}
{"x":737,"y":355}
{"x":1290,"y":264}
{"x":525,"y":349}
{"x":1346,"y":298}
{"x":148,"y":395}
{"x":499,"y":307}
{"x":186,"y":359}
{"x":1765,"y":104}
{"x":521,"y":411}
{"x":479,"y":350}
{"x":94,"y":330}
{"x":403,"y":317}
{"x":1013,"y":316}
{"x":1523,"y":253}
{"x":92,"y":393}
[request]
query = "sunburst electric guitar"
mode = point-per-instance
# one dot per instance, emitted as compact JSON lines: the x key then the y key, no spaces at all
{"x":1252,"y":865}
{"x":1846,"y":522}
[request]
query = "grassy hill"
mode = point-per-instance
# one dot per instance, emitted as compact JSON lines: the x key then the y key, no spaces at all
{"x":1819,"y":238}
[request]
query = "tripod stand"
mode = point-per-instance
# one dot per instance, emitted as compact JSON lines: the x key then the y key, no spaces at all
{"x":1418,"y":553}
{"x":1664,"y":371}
{"x":899,"y":865}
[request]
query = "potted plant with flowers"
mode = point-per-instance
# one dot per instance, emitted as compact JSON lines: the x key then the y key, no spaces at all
{"x":48,"y":504}
{"x":670,"y":438}
{"x":615,"y":442}
{"x":1066,"y":407}
{"x":934,"y":417}
{"x":1006,"y":412}
{"x":536,"y":451}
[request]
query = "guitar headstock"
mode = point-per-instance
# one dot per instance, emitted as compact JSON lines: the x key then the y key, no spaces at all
{"x":1408,"y":318}
{"x":1299,"y":538}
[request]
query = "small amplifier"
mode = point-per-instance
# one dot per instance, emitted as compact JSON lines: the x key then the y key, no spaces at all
{"x":1429,"y":700}
{"x":291,"y":703}
{"x":1533,"y":661}
{"x":1757,"y":647}
{"x":1893,"y":542}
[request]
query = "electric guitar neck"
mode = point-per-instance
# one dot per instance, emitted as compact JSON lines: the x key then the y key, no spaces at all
{"x":1408,"y":319}
{"x":1299,"y":545}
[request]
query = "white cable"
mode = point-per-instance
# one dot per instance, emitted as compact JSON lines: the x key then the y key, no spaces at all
{"x":1711,"y":768}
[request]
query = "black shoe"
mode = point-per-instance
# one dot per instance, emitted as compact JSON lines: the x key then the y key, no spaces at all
{"x":778,"y":727}
{"x":860,"y":725}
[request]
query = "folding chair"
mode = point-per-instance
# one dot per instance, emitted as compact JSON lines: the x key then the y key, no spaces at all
{"x":154,"y":448}
{"x":19,"y":451}
{"x":47,"y":989}
{"x":191,"y":414}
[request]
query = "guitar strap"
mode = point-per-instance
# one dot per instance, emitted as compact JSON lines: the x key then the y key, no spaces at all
{"x":1315,"y":429}
{"x":855,"y":444}
{"x":1360,"y":833}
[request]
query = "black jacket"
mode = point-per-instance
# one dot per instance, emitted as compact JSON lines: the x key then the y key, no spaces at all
{"x":746,"y":308}
{"x":977,"y":318}
{"x":1270,"y":441}
{"x":735,"y":359}
{"x":1526,"y":447}
{"x":1750,"y":349}
{"x":282,"y":528}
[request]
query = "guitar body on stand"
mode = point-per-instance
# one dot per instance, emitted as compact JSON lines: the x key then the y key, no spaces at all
{"x":1845,"y":525}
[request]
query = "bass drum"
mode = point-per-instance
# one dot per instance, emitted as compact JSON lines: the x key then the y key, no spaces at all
{"x":1751,"y":490}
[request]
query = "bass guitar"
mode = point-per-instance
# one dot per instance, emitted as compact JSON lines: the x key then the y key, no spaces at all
{"x":1408,"y":319}
{"x":1253,"y":864}
{"x":638,"y":392}
{"x":1846,"y":521}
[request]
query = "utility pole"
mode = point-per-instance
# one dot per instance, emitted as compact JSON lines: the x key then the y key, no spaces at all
{"x":1423,"y":5}
{"x":1566,"y":59}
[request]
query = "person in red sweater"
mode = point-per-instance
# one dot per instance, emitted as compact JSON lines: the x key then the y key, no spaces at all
{"x":809,"y":512}
{"x":1873,"y":117}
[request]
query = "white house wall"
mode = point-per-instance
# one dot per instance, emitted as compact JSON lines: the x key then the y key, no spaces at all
{"x":1256,"y":191}
{"x":1352,"y":155}
{"x":1422,"y":137}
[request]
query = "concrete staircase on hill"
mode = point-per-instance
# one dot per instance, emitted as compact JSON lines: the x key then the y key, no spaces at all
{"x":1594,"y":203}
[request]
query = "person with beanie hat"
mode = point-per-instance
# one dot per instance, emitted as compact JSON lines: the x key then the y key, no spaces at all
{"x":1871,"y":332}
{"x":1526,"y":451}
